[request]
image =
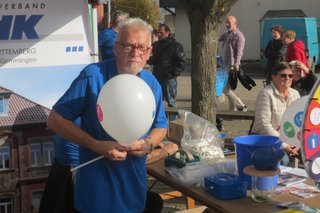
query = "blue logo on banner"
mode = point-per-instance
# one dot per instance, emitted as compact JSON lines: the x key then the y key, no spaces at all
{"x":74,"y":49}
{"x":21,"y":25}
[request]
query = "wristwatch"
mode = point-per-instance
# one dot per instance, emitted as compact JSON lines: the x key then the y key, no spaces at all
{"x":149,"y":142}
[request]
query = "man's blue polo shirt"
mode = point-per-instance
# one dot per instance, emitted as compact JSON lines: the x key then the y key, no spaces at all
{"x":106,"y":40}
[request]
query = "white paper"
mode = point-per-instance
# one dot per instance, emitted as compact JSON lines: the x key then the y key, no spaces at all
{"x":297,"y":171}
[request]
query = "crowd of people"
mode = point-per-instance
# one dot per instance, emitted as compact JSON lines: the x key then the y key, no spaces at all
{"x":118,"y":181}
{"x":288,"y":77}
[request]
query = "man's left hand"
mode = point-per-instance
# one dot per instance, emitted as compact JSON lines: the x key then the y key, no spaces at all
{"x":138,"y":148}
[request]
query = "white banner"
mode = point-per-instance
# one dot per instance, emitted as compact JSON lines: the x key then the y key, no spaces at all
{"x":42,"y":33}
{"x":43,"y":46}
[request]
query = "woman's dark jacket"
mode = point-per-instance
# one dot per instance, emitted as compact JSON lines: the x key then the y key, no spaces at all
{"x":305,"y":85}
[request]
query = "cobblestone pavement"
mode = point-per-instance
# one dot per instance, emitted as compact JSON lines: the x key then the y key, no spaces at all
{"x":233,"y":128}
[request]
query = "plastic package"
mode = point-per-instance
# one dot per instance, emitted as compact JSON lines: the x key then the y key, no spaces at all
{"x":194,"y":173}
{"x":200,"y":137}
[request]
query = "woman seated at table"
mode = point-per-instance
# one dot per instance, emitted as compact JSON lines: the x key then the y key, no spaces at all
{"x":271,"y":103}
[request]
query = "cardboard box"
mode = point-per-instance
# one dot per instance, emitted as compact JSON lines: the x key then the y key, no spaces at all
{"x":175,"y":130}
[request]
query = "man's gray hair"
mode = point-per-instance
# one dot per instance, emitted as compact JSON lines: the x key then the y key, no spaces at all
{"x":117,"y":15}
{"x":134,"y":22}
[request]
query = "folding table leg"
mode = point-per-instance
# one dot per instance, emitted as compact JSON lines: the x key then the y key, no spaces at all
{"x":191,"y":203}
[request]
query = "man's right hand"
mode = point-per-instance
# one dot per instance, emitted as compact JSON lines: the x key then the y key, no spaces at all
{"x":111,"y":150}
{"x":234,"y":68}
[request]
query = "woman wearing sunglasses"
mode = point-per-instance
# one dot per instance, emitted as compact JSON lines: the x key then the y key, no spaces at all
{"x":272,"y":101}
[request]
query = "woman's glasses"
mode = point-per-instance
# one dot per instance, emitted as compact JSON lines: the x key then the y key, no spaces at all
{"x":286,"y":75}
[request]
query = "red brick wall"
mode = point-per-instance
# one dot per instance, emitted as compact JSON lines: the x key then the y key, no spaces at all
{"x":27,"y":191}
{"x":21,"y":181}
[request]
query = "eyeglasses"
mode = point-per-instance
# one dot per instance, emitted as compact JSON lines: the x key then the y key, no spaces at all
{"x":286,"y":75}
{"x":128,"y":48}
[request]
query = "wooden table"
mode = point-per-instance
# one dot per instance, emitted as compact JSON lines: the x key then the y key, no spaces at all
{"x":157,"y":171}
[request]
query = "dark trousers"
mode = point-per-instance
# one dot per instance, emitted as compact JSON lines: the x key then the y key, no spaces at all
{"x":154,"y":203}
{"x":169,"y":90}
{"x":58,"y":194}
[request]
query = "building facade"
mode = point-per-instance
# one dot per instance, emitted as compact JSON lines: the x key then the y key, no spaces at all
{"x":26,"y":153}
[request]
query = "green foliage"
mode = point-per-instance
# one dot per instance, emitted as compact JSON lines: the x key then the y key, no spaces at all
{"x":147,"y":10}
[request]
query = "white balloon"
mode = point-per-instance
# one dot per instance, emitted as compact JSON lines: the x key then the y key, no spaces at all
{"x":126,"y":108}
{"x":291,"y":122}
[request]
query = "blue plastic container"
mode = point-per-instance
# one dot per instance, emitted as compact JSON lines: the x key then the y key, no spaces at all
{"x":225,"y":186}
{"x":247,"y":145}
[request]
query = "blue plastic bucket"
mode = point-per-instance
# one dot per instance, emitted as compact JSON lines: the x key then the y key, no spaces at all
{"x":246,"y":145}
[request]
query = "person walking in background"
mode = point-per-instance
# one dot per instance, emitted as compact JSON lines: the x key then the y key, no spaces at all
{"x":275,"y":50}
{"x":271,"y":103}
{"x":233,"y":43}
{"x":168,"y":60}
{"x":107,"y":37}
{"x":100,"y":186}
{"x":295,"y":48}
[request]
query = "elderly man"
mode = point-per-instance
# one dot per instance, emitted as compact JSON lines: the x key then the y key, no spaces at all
{"x":233,"y":44}
{"x":116,"y":183}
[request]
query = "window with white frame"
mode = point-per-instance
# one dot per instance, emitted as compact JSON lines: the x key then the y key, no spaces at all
{"x":4,"y":158}
{"x":41,"y":154}
{"x":35,"y":154}
{"x":6,"y":205}
{"x":36,"y":198}
{"x":3,"y":106}
{"x":48,"y":153}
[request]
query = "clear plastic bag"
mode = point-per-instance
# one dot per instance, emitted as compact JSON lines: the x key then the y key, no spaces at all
{"x":200,"y":137}
{"x":194,"y":173}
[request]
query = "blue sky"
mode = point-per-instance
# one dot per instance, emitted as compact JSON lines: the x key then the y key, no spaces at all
{"x":43,"y":85}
